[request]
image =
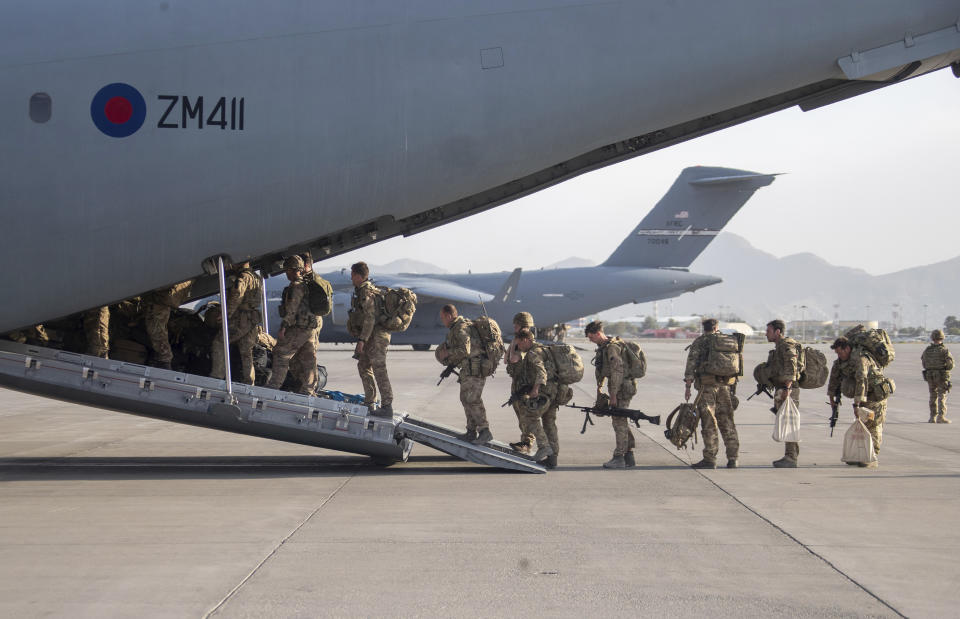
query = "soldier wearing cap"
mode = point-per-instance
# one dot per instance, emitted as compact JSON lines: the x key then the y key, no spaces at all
{"x":372,"y":341}
{"x":298,"y":331}
{"x":937,"y":364}
{"x":512,"y":358}
{"x":243,"y":316}
{"x":858,"y":376}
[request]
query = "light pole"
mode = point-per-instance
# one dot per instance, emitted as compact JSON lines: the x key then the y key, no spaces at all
{"x":836,"y":320}
{"x":803,"y":324}
{"x":868,"y":315}
{"x":924,"y":317}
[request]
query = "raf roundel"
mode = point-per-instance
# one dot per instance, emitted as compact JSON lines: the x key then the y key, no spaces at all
{"x":118,"y":110}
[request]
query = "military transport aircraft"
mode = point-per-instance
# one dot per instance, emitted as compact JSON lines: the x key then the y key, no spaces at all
{"x":142,"y":144}
{"x":650,"y":264}
{"x":148,"y":138}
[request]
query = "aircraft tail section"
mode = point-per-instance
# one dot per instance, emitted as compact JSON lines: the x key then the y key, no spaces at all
{"x":698,"y":205}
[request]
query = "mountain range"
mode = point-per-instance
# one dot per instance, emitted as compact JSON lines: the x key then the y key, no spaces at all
{"x":758,"y":286}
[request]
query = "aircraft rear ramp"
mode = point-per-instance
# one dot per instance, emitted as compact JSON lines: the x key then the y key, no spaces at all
{"x":256,"y":411}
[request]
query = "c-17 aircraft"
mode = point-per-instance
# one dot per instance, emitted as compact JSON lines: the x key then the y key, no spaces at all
{"x":650,"y":264}
{"x":148,"y":142}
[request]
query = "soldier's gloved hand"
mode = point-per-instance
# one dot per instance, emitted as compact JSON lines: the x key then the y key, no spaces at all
{"x":686,"y":393}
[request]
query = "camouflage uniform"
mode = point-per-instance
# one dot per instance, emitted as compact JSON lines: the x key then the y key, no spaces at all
{"x":299,"y":339}
{"x":783,"y":366}
{"x":856,"y":377}
{"x":303,"y":365}
{"x":96,"y":326}
{"x":541,"y":422}
{"x":243,"y":316}
{"x":524,"y":320}
{"x":372,"y":362}
{"x":464,"y":347}
{"x":157,"y":315}
{"x":715,"y":403}
{"x":609,"y":366}
{"x":937,"y":364}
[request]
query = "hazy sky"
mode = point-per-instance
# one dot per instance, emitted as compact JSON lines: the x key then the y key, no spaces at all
{"x":880,"y":169}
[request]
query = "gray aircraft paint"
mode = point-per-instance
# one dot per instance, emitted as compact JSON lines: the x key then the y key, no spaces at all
{"x":649,"y":264}
{"x":370,"y":120}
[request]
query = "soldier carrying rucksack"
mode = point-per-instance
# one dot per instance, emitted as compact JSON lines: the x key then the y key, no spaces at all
{"x":372,"y":340}
{"x":937,"y":365}
{"x":714,"y":365}
{"x":463,"y":349}
{"x":618,"y":364}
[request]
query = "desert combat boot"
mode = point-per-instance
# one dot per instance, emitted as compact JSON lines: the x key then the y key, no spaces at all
{"x":616,"y":462}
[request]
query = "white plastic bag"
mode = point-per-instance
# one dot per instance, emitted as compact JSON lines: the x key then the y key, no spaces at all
{"x":786,"y":428}
{"x":858,"y":444}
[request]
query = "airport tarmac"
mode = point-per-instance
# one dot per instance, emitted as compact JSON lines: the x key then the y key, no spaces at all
{"x":107,"y":515}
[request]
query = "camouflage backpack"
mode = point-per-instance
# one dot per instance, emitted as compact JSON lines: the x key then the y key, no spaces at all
{"x":396,"y":308}
{"x":937,"y":357}
{"x":567,"y":364}
{"x":682,"y":425}
{"x":723,"y":355}
{"x":634,"y":360}
{"x":319,"y":295}
{"x":491,"y":339}
{"x":813,"y":368}
{"x":874,"y":341}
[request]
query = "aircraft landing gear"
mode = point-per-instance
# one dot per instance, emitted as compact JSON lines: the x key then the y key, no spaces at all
{"x":421,"y":347}
{"x":955,"y":67}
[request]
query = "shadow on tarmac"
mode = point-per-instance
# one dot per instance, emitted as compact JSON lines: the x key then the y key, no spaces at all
{"x":229,"y":467}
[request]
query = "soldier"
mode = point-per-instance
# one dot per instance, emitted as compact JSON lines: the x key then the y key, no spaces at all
{"x":303,"y":366}
{"x":782,"y":370}
{"x":157,"y":316}
{"x":463,"y":349}
{"x":562,"y":332}
{"x":96,"y":327}
{"x":244,"y":290}
{"x":859,"y":377}
{"x":373,"y":340}
{"x":609,"y":367}
{"x":531,"y":376}
{"x":512,"y":358}
{"x":937,"y":363}
{"x":298,"y":331}
{"x":716,"y":401}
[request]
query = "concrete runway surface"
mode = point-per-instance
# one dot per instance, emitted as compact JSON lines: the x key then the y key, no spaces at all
{"x":109,"y":515}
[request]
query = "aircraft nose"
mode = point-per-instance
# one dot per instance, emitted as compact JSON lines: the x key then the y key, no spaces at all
{"x":701,"y":281}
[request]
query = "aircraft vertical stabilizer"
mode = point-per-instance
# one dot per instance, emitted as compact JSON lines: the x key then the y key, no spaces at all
{"x":699,"y":204}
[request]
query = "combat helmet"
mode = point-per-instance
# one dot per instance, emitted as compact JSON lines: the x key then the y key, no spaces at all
{"x":293,"y":262}
{"x":523,"y":319}
{"x":936,"y":335}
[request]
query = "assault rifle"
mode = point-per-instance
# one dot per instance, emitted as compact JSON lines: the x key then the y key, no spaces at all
{"x":762,"y":388}
{"x":613,"y":411}
{"x":517,"y":395}
{"x":450,"y":369}
{"x":835,"y":407}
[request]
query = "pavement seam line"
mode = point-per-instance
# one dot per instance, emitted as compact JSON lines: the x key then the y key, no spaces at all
{"x":785,"y":533}
{"x":275,"y":549}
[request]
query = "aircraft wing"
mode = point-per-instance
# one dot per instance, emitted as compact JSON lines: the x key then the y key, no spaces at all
{"x":440,"y":289}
